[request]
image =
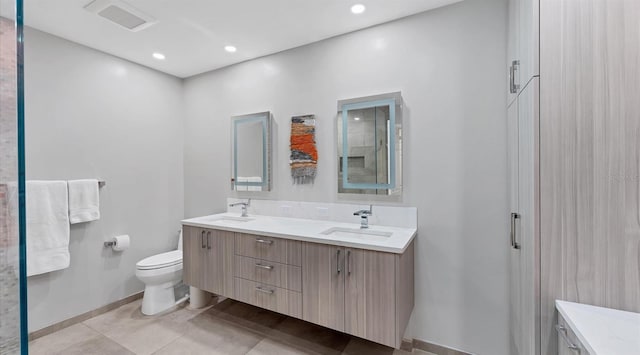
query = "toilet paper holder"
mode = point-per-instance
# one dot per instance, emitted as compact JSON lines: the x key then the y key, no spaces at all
{"x":118,"y":243}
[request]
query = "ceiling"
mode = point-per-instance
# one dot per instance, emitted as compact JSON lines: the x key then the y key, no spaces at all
{"x":192,"y":34}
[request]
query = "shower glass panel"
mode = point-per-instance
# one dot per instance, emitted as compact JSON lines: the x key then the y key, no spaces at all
{"x":13,"y":337}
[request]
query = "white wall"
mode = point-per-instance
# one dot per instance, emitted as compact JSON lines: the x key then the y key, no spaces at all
{"x":449,"y":65}
{"x":91,"y":115}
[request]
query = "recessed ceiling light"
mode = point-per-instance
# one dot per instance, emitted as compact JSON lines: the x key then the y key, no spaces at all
{"x":358,"y":9}
{"x":159,"y":56}
{"x":357,"y":118}
{"x":230,"y":49}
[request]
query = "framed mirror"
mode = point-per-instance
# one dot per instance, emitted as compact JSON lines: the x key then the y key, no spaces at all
{"x":251,"y":152}
{"x":370,"y":145}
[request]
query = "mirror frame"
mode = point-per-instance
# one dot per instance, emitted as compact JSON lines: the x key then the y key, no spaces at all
{"x":391,"y":100}
{"x":265,"y":119}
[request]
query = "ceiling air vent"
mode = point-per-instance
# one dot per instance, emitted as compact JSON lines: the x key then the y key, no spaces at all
{"x":121,"y":13}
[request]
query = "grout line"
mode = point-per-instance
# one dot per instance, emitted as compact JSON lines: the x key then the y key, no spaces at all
{"x":171,"y":342}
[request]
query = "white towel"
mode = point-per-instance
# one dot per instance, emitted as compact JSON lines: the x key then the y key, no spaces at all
{"x":241,"y":180}
{"x":47,"y":227}
{"x":84,"y":201}
{"x":253,"y":187}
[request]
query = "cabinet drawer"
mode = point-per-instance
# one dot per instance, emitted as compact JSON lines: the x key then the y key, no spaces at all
{"x":269,"y":272}
{"x":568,"y":343}
{"x":267,"y":248}
{"x":269,"y":297}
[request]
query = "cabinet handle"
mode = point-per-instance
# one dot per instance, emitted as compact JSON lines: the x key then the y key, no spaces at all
{"x":209,"y":240}
{"x":338,"y":261}
{"x":266,"y":267}
{"x":349,"y":262}
{"x":264,"y":290}
{"x":562,"y":331}
{"x":513,"y":87}
{"x":514,"y":218}
{"x":264,"y":241}
{"x":202,"y":244}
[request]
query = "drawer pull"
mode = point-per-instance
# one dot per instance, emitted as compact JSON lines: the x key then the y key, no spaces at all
{"x":266,"y":267}
{"x":264,"y":290}
{"x":264,"y":241}
{"x":562,"y":331}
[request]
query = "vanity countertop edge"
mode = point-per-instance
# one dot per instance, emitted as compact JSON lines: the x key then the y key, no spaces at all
{"x":602,"y":330}
{"x":307,"y":230}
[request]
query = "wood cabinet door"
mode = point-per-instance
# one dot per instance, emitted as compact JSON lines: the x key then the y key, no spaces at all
{"x":512,"y":44}
{"x":529,"y":221}
{"x":219,"y":262}
{"x":515,"y":332}
{"x":523,"y":38}
{"x":524,"y":200}
{"x":370,"y":295}
{"x":194,"y":256}
{"x":323,"y":285}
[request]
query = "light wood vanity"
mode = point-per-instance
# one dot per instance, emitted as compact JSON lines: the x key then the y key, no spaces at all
{"x":365,"y":293}
{"x":590,"y":330}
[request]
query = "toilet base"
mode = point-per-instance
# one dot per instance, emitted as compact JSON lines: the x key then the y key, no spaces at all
{"x":158,"y":298}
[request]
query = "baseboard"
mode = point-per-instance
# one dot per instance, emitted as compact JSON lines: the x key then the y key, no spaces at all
{"x":82,"y":317}
{"x":406,"y":345}
{"x":410,"y":344}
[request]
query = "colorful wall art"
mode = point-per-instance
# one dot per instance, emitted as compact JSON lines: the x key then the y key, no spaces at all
{"x":304,"y":155}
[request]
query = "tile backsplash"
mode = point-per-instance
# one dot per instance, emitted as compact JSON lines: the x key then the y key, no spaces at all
{"x":393,"y":216}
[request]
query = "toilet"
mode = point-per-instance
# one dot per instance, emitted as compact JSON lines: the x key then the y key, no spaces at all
{"x":160,"y":274}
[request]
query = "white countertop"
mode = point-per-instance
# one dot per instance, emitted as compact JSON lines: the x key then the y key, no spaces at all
{"x":309,"y":230}
{"x":603,"y":331}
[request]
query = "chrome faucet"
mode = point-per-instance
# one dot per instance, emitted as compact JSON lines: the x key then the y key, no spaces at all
{"x":364,"y":217}
{"x":244,"y":207}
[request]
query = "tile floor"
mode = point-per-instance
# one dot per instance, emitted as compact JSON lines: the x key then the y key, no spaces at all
{"x":228,"y":327}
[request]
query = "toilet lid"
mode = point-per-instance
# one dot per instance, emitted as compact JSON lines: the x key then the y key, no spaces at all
{"x":171,"y":258}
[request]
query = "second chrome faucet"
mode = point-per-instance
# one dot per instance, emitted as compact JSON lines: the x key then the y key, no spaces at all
{"x":364,"y":216}
{"x":244,"y":206}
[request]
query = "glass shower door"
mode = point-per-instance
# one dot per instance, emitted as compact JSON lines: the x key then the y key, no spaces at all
{"x":13,"y":334}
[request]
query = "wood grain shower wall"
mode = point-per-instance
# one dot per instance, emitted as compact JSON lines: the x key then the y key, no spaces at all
{"x":590,"y":152}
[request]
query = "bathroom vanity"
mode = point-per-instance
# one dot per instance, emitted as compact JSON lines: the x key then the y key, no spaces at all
{"x":356,"y":281}
{"x":590,"y":330}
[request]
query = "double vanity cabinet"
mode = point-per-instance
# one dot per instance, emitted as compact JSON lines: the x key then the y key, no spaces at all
{"x":364,"y":292}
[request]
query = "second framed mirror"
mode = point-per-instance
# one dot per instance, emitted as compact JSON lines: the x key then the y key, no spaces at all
{"x":370,"y":145}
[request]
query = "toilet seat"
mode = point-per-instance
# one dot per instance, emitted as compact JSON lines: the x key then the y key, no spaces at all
{"x":159,"y":261}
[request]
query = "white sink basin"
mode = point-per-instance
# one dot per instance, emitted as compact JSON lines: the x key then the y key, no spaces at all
{"x":227,"y":219}
{"x":357,"y":233}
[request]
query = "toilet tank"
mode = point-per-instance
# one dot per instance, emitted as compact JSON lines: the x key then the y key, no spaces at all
{"x":180,"y":240}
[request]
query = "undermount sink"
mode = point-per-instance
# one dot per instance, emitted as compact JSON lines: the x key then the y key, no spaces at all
{"x":357,"y":233}
{"x":227,"y":219}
